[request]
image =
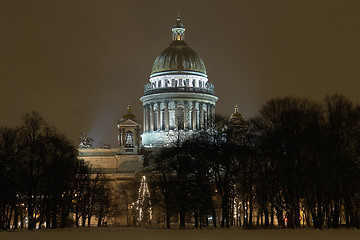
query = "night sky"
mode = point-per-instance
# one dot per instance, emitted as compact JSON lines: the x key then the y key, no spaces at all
{"x":80,"y":63}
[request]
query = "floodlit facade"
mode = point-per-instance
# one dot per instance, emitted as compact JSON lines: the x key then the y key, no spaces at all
{"x":119,"y":163}
{"x":178,"y":97}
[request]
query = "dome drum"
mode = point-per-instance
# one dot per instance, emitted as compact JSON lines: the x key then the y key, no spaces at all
{"x":179,"y":81}
{"x":150,"y":89}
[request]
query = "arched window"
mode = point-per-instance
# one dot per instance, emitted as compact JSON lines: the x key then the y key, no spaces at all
{"x":172,"y":119}
{"x":129,"y":139}
{"x":179,"y":118}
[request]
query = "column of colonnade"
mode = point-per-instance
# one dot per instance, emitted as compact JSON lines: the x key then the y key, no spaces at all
{"x":193,"y":115}
{"x":200,"y":117}
{"x":185,"y":115}
{"x":151,"y":116}
{"x":167,"y":121}
{"x":158,"y":127}
{"x":144,"y":118}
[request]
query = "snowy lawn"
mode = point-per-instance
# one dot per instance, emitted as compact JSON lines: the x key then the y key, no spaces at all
{"x":176,"y":234}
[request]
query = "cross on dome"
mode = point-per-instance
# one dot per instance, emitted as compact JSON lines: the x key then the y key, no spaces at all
{"x":236,"y":109}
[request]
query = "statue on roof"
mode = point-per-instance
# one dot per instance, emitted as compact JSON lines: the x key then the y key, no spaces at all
{"x":85,"y":142}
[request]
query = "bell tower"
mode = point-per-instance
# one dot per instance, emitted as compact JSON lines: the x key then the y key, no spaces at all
{"x":129,"y":133}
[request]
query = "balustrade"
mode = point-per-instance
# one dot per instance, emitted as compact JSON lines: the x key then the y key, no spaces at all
{"x":152,"y":88}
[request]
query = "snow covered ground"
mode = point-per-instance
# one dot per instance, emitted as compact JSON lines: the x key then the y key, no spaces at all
{"x":176,"y":234}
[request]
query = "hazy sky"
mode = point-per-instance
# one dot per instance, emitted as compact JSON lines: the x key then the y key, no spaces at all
{"x":81,"y":62}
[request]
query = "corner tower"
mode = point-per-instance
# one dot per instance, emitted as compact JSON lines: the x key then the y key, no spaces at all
{"x":129,"y":133}
{"x":178,"y":97}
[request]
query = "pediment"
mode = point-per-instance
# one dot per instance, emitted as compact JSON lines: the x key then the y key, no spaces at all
{"x":129,"y":123}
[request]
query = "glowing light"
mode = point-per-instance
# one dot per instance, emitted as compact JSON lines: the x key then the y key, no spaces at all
{"x":143,"y":203}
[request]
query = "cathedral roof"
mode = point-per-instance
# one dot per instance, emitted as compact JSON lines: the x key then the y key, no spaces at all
{"x":178,"y":56}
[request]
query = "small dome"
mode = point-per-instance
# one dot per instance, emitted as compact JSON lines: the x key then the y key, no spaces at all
{"x":178,"y":23}
{"x":128,"y":115}
{"x":236,"y":117}
{"x":178,"y":57}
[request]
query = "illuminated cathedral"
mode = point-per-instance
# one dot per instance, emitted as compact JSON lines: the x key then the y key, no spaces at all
{"x":178,"y":99}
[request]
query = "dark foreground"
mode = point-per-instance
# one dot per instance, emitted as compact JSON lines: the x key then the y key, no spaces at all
{"x":174,"y":234}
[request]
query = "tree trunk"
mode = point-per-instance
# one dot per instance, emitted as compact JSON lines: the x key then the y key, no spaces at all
{"x":167,"y":218}
{"x":280,"y":218}
{"x":196,"y":220}
{"x":30,"y":215}
{"x":272,"y":216}
{"x":213,"y":216}
{"x":54,"y":216}
{"x":89,"y":220}
{"x":77,"y":219}
{"x":182,"y":220}
{"x":16,"y":218}
{"x":83,"y":218}
{"x":266,"y":215}
{"x":336,"y":214}
{"x":250,"y":211}
{"x":297,"y":215}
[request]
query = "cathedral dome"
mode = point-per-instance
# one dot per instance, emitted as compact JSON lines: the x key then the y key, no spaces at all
{"x":178,"y":97}
{"x":178,"y":56}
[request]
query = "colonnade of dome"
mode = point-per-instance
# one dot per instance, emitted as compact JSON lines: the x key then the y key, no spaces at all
{"x":178,"y":115}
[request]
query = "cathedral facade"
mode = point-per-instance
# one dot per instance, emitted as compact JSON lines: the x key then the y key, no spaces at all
{"x":118,"y":163}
